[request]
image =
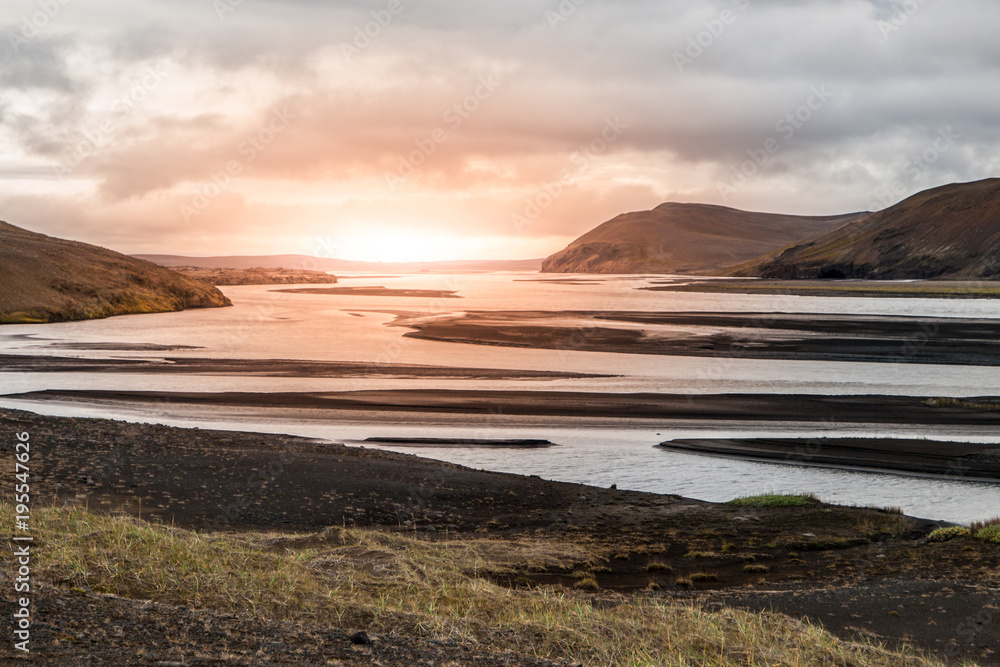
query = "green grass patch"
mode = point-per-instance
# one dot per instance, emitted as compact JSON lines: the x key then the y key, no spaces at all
{"x":774,"y":500}
{"x":950,"y":533}
{"x":21,"y":318}
{"x":989,"y":533}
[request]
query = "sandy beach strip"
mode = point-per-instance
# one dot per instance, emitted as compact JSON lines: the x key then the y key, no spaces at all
{"x":854,"y":409}
{"x":931,"y":458}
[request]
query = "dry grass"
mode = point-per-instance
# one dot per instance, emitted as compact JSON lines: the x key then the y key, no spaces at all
{"x":964,"y":404}
{"x":658,"y":566}
{"x":977,"y":526}
{"x":387,"y":582}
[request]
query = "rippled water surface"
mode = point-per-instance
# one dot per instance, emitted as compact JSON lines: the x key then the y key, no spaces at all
{"x":265,"y":324}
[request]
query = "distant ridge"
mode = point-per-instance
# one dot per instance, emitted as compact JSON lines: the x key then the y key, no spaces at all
{"x":309,"y":263}
{"x":952,"y":231}
{"x":47,"y":279}
{"x":698,"y":239}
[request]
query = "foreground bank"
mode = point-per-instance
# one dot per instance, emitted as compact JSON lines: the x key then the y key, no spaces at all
{"x":282,"y":548}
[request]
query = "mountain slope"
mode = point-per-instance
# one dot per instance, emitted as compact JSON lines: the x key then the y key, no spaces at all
{"x":46,"y":279}
{"x":685,"y":238}
{"x":948,"y":232}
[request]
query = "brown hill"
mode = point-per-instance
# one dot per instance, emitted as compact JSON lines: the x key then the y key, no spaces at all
{"x":699,"y":239}
{"x":46,"y":279}
{"x":948,"y":232}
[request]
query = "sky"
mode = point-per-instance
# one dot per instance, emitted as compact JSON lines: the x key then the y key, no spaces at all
{"x":434,"y":129}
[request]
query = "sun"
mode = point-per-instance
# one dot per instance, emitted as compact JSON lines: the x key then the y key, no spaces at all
{"x":395,"y":245}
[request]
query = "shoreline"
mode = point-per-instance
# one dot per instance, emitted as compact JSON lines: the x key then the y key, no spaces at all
{"x":962,"y":460}
{"x":296,"y":368}
{"x":751,"y":335}
{"x":899,"y":289}
{"x":765,"y":408}
{"x":952,"y":468}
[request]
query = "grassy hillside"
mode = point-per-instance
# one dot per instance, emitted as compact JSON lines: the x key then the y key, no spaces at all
{"x":948,"y":232}
{"x":46,"y":279}
{"x":685,"y":238}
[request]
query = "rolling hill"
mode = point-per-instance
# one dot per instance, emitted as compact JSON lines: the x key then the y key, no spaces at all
{"x":952,"y":231}
{"x":310,"y":263}
{"x":46,"y":279}
{"x":698,"y":239}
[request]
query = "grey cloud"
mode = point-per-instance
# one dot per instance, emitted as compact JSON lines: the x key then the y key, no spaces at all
{"x":561,"y":80}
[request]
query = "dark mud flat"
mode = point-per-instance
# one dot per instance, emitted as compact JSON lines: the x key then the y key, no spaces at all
{"x":203,"y":479}
{"x":120,"y":347}
{"x":863,"y":409}
{"x":15,"y":363}
{"x":945,"y":615}
{"x":463,"y":442}
{"x":374,"y":291}
{"x":973,"y":461}
{"x":801,"y":337}
{"x":923,"y":289}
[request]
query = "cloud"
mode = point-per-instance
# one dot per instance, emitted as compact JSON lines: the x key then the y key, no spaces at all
{"x":391,"y":123}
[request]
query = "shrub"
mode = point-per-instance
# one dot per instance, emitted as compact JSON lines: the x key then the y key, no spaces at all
{"x":658,"y":566}
{"x":950,"y":533}
{"x":990,"y":533}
